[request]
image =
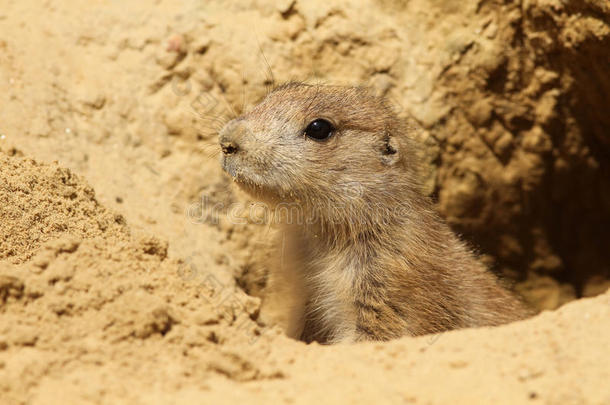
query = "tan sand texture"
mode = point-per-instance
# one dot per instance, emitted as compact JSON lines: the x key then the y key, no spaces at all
{"x":117,"y":285}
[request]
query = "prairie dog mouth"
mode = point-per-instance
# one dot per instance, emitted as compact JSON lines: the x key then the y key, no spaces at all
{"x":251,"y":182}
{"x":228,"y":166}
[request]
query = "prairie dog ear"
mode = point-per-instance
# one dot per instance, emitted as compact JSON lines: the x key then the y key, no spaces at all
{"x":389,"y":152}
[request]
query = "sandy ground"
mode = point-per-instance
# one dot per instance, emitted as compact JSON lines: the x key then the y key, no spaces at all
{"x":118,"y":286}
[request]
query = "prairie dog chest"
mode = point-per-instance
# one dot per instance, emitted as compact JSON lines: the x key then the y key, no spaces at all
{"x":329,"y":284}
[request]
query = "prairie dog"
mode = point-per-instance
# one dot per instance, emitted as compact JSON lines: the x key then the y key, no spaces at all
{"x":371,"y":258}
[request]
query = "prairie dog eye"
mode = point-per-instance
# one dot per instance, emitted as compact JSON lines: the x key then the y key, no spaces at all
{"x":319,"y":129}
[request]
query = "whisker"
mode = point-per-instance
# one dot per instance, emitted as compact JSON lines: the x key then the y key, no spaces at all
{"x":227,"y":104}
{"x":210,"y":153}
{"x":243,"y":93}
{"x":210,"y":148}
{"x":213,"y":155}
{"x":212,"y":120}
{"x":213,"y":126}
{"x":270,"y":78}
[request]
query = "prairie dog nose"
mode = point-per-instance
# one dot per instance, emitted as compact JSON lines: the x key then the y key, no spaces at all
{"x":229,"y":147}
{"x":231,"y":135}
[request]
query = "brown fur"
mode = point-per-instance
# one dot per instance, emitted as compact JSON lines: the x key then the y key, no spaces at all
{"x":370,"y":257}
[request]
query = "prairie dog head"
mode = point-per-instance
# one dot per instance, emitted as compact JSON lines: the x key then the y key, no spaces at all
{"x":325,"y":146}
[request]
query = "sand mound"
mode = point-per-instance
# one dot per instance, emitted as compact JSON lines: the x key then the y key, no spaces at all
{"x":86,"y":295}
{"x":39,"y":203}
{"x":146,"y":291}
